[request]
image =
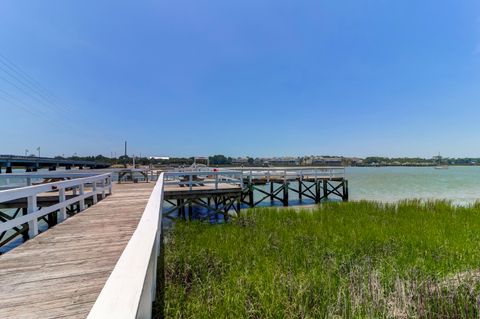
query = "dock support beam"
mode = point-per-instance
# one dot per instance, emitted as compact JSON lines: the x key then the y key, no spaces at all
{"x":285,"y":194}
{"x":345,"y":190}
{"x":190,"y":211}
{"x":300,"y":183}
{"x":325,"y":189}
{"x":251,"y":202}
{"x":271,"y":191}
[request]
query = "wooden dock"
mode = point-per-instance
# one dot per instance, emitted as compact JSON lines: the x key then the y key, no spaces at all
{"x":221,"y":192}
{"x":105,"y":261}
{"x":61,"y":272}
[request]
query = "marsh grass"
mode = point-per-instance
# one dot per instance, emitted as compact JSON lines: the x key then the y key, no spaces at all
{"x":346,"y":260}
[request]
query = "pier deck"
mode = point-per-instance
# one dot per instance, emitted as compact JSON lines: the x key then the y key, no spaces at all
{"x":60,"y":273}
{"x":208,"y":190}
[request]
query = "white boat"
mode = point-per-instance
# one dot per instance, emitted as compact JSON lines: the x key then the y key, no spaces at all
{"x":438,"y":160}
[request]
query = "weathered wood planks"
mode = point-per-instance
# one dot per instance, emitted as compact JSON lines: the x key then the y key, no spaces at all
{"x":60,"y":273}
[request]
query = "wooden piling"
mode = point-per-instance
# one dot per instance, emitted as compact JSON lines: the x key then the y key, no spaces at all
{"x":325,"y":189}
{"x":317,"y":191}
{"x":285,"y":194}
{"x":251,"y":202}
{"x":190,"y":211}
{"x":345,"y":190}
{"x":300,"y":189}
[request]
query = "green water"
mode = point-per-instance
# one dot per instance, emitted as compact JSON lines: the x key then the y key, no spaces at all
{"x":460,"y":184}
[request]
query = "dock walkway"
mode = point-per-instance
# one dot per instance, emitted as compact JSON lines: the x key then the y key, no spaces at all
{"x":60,"y":273}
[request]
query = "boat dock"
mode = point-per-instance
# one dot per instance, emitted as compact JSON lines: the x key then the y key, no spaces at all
{"x":224,"y":191}
{"x":93,"y":246}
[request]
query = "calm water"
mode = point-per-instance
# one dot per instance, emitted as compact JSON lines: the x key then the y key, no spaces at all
{"x":461,"y":185}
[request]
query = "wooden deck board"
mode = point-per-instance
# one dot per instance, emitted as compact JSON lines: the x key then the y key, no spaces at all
{"x":60,"y":273}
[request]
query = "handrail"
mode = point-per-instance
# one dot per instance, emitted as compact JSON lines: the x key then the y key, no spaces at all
{"x":131,"y":288}
{"x":287,"y":168}
{"x":209,"y":177}
{"x":31,"y":193}
{"x":293,"y":173}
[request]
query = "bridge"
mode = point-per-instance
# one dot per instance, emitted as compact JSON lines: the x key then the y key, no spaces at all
{"x":93,"y":248}
{"x":32,"y":163}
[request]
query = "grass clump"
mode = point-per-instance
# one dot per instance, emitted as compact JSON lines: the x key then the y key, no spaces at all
{"x":348,"y":260}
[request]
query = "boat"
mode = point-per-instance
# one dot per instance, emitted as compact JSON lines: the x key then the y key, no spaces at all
{"x":438,"y":159}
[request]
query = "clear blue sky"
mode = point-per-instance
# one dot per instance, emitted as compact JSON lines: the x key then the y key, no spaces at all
{"x":258,"y":78}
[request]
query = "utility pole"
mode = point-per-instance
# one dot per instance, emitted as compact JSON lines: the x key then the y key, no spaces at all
{"x":125,"y":159}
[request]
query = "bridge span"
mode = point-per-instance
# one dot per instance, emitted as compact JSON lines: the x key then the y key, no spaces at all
{"x":33,"y":163}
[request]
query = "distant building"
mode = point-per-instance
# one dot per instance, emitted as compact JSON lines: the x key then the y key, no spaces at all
{"x":327,"y":161}
{"x":355,"y":161}
{"x":282,"y":161}
{"x":240,"y":161}
{"x":201,"y":160}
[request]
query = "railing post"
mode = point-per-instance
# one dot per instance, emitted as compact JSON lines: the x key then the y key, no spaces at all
{"x":300,"y":183}
{"x":109,"y":183}
{"x":94,"y":188}
{"x":63,"y":211}
{"x":102,"y":184}
{"x":82,"y":200}
{"x":32,"y":208}
{"x":216,"y":181}
{"x":190,"y":179}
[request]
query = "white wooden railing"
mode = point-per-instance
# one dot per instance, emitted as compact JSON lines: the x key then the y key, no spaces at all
{"x":292,"y":173}
{"x":191,"y":179}
{"x":131,"y":288}
{"x":98,"y":184}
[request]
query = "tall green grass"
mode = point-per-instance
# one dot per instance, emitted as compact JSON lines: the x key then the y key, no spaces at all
{"x":348,"y":260}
